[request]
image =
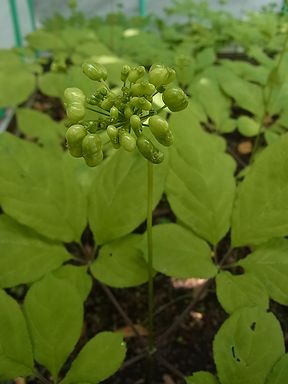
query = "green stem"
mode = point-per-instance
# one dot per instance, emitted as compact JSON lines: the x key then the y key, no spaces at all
{"x":161,"y":109}
{"x":95,"y":110}
{"x":150,"y":257}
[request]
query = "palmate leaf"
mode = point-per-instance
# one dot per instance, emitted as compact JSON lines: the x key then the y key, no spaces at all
{"x":118,"y":195}
{"x":247,"y":346}
{"x":200,"y":186}
{"x":54,"y":313}
{"x":16,"y":357}
{"x":39,"y":189}
{"x":25,"y":255}
{"x":261,"y":207}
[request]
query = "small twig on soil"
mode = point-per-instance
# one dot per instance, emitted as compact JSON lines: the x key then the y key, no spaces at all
{"x":133,"y":360}
{"x":167,"y":305}
{"x":236,"y":157}
{"x":169,"y":366}
{"x":120,"y":309}
{"x":185,"y":313}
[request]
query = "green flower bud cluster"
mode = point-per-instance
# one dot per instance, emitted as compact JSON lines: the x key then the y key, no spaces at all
{"x":124,"y":115}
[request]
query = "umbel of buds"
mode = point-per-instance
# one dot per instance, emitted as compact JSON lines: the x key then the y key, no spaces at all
{"x":123,"y":115}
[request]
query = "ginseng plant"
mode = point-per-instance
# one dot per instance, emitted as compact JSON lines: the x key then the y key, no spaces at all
{"x":126,"y":115}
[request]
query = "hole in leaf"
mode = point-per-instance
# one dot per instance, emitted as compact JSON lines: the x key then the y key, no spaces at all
{"x":253,"y":326}
{"x":234,"y":355}
{"x":233,"y":352}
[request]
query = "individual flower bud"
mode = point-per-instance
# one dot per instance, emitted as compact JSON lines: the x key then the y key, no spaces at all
{"x":136,"y":124}
{"x":144,"y":104}
{"x":125,"y":72}
{"x":91,"y":145}
{"x":158,"y":126}
{"x":74,"y":94}
{"x":136,"y":73}
{"x":75,"y":111}
{"x":134,"y":102}
{"x":148,"y":150}
{"x":127,"y":141}
{"x":113,"y":135}
{"x":161,"y":75}
{"x":128,"y":112}
{"x":143,"y":88}
{"x":91,"y":126}
{"x":114,"y":113}
{"x":175,"y":99}
{"x":107,"y":103}
{"x":94,"y":71}
{"x":167,"y":140}
{"x":94,"y":160}
{"x":74,"y":136}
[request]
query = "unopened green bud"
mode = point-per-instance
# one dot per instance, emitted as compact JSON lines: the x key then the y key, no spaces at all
{"x":127,"y":141}
{"x":148,"y":150}
{"x":74,"y":94}
{"x":160,"y":75}
{"x":94,"y":71}
{"x":113,"y":135}
{"x":75,"y":111}
{"x":125,"y":72}
{"x":175,"y":99}
{"x":136,"y":124}
{"x":136,"y":73}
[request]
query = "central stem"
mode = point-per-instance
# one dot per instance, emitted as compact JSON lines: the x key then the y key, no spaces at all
{"x":150,"y":256}
{"x":151,"y":342}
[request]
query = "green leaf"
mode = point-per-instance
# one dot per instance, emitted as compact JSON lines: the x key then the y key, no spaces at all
{"x":247,"y":126}
{"x":45,"y":41}
{"x":26,"y":256}
{"x":260,"y":211}
{"x":54,"y":84}
{"x":37,"y":125}
{"x":247,"y":95}
{"x":214,"y":102}
{"x":120,"y":263}
{"x":205,"y":58}
{"x":54,"y":314}
{"x":16,"y":357}
{"x":247,"y":346}
{"x":78,"y":277}
{"x":234,"y":292}
{"x":269,"y":263}
{"x":38,"y":188}
{"x":279,"y":373}
{"x":118,"y":195}
{"x":179,"y":253}
{"x":200,"y":185}
{"x":100,"y":358}
{"x":18,"y":86}
{"x":202,"y":377}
